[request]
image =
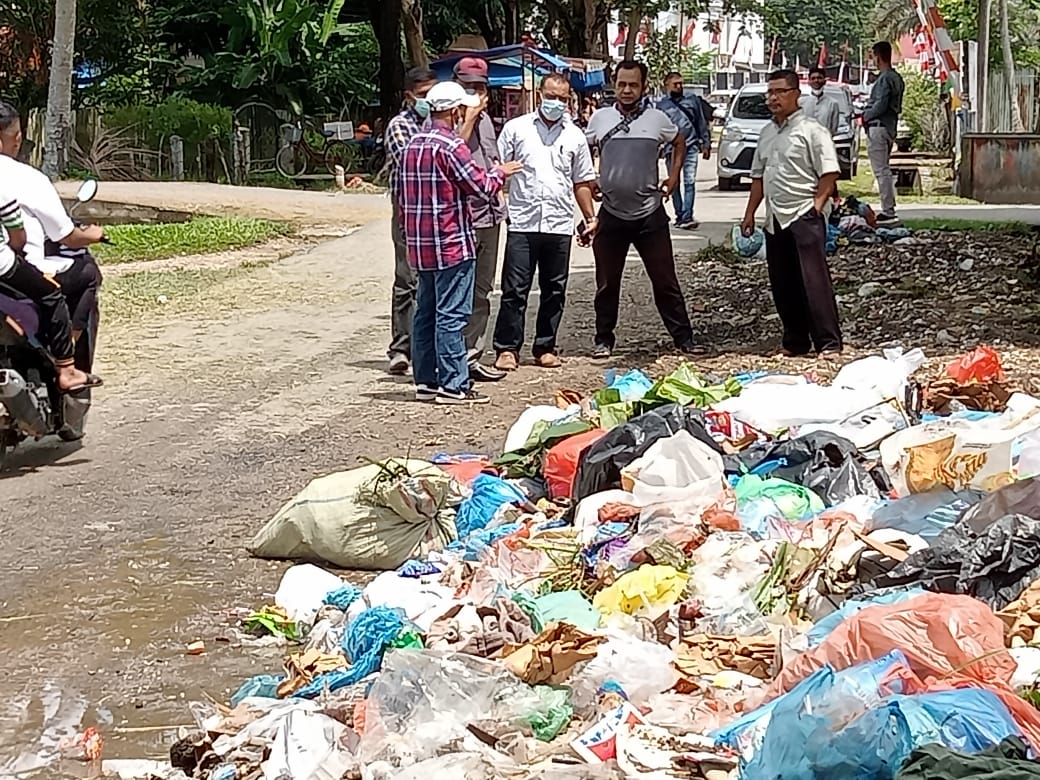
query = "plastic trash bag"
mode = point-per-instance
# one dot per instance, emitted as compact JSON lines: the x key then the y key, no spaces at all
{"x":827,"y":464}
{"x":1007,"y":761}
{"x":888,"y":375}
{"x":677,"y":468}
{"x":600,"y":468}
{"x":641,"y":669}
{"x":823,"y":627}
{"x":645,"y":591}
{"x":759,"y":499}
{"x":751,"y":247}
{"x":938,"y":633}
{"x":308,"y":746}
{"x":302,"y":590}
{"x":521,"y":430}
{"x":980,"y":365}
{"x":630,"y":386}
{"x":561,"y":462}
{"x":364,"y":518}
{"x":925,"y":514}
{"x":489,"y":495}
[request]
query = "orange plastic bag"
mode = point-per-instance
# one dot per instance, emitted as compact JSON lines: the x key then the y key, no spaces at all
{"x":941,"y":635}
{"x":561,"y":462}
{"x":982,"y":365}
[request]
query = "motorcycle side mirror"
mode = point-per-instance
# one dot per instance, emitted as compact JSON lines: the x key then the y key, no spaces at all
{"x":87,"y":191}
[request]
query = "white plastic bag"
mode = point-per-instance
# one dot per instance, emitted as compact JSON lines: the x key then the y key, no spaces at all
{"x":303,"y":589}
{"x":677,"y":468}
{"x":521,"y":430}
{"x":887,"y":375}
{"x":307,"y":746}
{"x":642,"y":669}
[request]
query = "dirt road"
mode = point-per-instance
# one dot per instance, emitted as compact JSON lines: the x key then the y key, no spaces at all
{"x":117,"y":554}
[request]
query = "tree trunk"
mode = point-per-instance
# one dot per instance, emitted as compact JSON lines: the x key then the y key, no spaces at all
{"x":511,"y":30}
{"x":634,"y":20}
{"x":411,"y":21}
{"x":385,"y":16}
{"x":1017,"y":126}
{"x":58,"y":123}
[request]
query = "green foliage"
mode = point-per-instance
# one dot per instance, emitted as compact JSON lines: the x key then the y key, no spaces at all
{"x":802,"y":27}
{"x":203,"y":235}
{"x":663,"y":55}
{"x":193,"y":121}
{"x":923,"y":111}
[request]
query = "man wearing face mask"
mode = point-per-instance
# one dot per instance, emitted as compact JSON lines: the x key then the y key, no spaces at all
{"x":478,"y":131}
{"x":686,"y":115}
{"x":399,"y":131}
{"x":557,"y":169}
{"x":819,"y":106}
{"x":440,"y":183}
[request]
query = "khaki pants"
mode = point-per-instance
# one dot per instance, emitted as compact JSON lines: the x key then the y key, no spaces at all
{"x":879,"y":149}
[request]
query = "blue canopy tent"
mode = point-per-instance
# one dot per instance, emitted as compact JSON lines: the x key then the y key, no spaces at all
{"x":508,"y":66}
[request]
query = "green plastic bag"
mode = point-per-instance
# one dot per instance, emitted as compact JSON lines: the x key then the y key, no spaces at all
{"x":551,"y":714}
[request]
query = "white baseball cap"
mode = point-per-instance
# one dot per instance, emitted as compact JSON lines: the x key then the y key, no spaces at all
{"x":446,"y":95}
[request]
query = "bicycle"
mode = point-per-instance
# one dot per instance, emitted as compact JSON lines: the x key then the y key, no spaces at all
{"x":297,"y":152}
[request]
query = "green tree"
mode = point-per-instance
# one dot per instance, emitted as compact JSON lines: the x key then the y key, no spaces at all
{"x":803,"y":27}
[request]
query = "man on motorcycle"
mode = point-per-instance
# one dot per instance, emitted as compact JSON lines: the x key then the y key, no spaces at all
{"x":54,"y":244}
{"x":26,"y":281}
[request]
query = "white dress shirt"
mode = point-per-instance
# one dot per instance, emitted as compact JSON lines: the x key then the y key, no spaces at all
{"x":45,"y":214}
{"x":555,"y":158}
{"x":791,"y":158}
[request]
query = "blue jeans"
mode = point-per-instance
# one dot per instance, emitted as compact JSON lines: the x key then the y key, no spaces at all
{"x":443,"y":304}
{"x":686,"y":191}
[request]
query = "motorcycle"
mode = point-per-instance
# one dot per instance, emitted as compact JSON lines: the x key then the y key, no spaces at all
{"x":31,"y":405}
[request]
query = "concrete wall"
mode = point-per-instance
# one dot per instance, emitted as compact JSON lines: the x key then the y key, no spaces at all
{"x":1000,"y":168}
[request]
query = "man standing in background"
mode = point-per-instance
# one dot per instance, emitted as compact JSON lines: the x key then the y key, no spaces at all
{"x":399,"y":131}
{"x":882,"y":121}
{"x":794,"y":171}
{"x":686,"y":115}
{"x":478,"y":131}
{"x":629,"y":137}
{"x":818,"y":105}
{"x":557,"y":170}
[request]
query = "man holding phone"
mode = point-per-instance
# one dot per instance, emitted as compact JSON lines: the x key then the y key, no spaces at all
{"x":557,"y":170}
{"x":794,"y":171}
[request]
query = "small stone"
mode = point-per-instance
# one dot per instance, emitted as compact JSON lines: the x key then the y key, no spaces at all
{"x":979,"y":310}
{"x":196,"y":648}
{"x":966,"y":264}
{"x":868,"y":289}
{"x":944,"y":337}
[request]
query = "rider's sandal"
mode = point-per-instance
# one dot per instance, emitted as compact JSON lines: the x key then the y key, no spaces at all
{"x":92,"y":381}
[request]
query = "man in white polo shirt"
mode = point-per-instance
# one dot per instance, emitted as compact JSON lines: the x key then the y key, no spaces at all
{"x":53,"y":243}
{"x":557,"y":169}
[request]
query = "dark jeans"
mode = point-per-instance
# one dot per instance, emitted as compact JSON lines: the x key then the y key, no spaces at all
{"x":80,"y":284}
{"x":525,"y":252}
{"x":653,"y":241}
{"x":443,"y":305}
{"x":801,"y":283}
{"x":402,"y":308}
{"x":27,"y":282}
{"x":483,"y":285}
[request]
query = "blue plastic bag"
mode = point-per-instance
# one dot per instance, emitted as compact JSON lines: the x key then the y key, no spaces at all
{"x":262,"y":685}
{"x":489,"y":495}
{"x":631,"y":386}
{"x":826,"y":624}
{"x":925,"y":514}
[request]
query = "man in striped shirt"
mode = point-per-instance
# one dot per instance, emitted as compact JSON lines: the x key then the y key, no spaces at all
{"x":22,"y":279}
{"x":438,"y":181}
{"x":399,"y":131}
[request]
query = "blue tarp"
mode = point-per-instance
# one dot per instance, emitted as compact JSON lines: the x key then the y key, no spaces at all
{"x":506,"y":64}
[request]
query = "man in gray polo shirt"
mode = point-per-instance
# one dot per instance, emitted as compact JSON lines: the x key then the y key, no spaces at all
{"x":882,"y":121}
{"x":630,"y":137}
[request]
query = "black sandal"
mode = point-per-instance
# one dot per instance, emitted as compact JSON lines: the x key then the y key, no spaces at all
{"x":92,"y":381}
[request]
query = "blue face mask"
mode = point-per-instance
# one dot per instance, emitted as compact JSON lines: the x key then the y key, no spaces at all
{"x":422,"y":107}
{"x":552,"y":109}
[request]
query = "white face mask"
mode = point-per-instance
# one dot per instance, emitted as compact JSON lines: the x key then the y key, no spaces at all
{"x":817,"y":93}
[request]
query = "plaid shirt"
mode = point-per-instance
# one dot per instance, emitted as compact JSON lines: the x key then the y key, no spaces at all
{"x":437,"y":178}
{"x":399,"y":131}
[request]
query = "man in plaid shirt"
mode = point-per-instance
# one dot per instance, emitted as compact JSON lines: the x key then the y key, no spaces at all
{"x":437,"y":180}
{"x":399,"y":131}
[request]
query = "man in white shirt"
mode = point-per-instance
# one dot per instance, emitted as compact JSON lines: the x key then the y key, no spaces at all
{"x":53,"y":243}
{"x":794,"y":171}
{"x":818,"y":104}
{"x":557,"y":169}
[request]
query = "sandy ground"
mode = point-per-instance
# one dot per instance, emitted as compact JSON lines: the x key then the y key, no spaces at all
{"x":119,"y":552}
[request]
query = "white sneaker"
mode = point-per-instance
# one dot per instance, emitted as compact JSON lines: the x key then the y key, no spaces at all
{"x":398,"y":365}
{"x":425,"y":393}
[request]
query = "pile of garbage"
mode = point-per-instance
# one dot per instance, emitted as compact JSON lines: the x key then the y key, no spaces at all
{"x":754,"y":576}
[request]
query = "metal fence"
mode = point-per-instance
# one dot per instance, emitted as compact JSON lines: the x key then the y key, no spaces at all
{"x":1027,"y":93}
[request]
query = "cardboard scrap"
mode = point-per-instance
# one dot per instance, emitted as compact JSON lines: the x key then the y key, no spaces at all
{"x":709,"y":654}
{"x":301,"y":668}
{"x":1022,"y":617}
{"x":549,"y":657}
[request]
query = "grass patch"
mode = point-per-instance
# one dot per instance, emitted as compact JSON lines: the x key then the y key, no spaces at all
{"x":128,"y":296}
{"x":202,"y":235}
{"x":862,"y":186}
{"x":975,"y":225}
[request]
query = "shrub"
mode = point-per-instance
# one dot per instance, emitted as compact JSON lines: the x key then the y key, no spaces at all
{"x":925,"y":112}
{"x":195,"y":122}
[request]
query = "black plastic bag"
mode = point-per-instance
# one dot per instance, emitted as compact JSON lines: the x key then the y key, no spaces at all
{"x":600,"y":466}
{"x":994,"y":563}
{"x":824,"y":462}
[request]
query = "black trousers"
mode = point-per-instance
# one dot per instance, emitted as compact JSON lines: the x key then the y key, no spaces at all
{"x":81,"y":284}
{"x":801,"y":283}
{"x":550,"y":256}
{"x":652,"y":239}
{"x":26,"y":281}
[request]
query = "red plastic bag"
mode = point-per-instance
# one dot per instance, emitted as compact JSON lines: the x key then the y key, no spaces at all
{"x":561,"y":462}
{"x":982,"y":365}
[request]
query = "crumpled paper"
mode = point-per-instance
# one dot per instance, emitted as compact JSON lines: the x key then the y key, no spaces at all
{"x":302,"y":668}
{"x":550,"y":656}
{"x":1022,"y":617}
{"x":648,"y":588}
{"x":709,"y":654}
{"x":482,"y":631}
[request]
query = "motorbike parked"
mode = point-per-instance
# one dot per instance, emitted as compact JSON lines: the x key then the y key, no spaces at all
{"x":31,"y":405}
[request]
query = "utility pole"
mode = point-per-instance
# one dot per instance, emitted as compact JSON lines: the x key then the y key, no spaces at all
{"x":58,"y":122}
{"x":982,"y":88}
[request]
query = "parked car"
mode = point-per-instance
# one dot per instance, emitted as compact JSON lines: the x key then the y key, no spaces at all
{"x":721,"y":100}
{"x":749,"y":114}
